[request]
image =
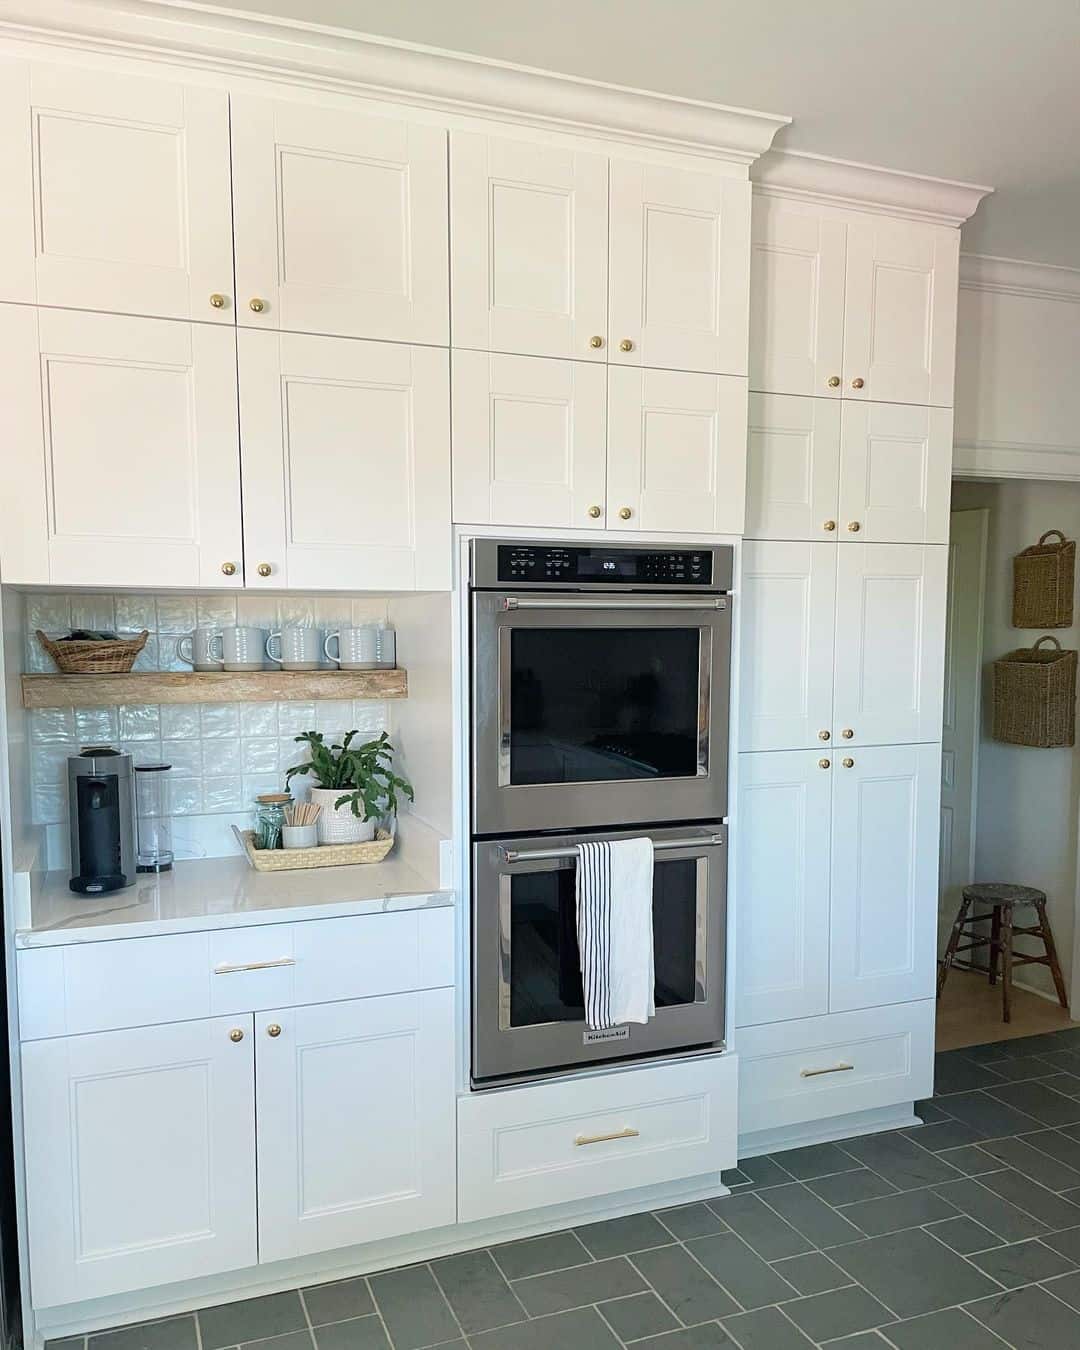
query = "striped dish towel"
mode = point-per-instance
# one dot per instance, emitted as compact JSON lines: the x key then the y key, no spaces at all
{"x":615,"y":931}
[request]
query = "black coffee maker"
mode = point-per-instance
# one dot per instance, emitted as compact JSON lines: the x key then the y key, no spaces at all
{"x":101,"y":807}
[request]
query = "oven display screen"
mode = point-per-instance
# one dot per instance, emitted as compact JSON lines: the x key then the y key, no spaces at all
{"x":608,"y":565}
{"x":562,"y":564}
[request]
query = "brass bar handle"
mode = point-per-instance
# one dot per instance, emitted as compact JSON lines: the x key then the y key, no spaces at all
{"x":816,"y":1073}
{"x":626,"y":1133}
{"x":254,"y":965}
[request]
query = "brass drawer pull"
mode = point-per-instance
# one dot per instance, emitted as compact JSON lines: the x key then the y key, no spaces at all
{"x":626,"y":1133}
{"x":816,"y":1073}
{"x":255,"y":965}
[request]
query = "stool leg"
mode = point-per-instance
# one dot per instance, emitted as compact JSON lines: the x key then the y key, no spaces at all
{"x":1051,"y":953}
{"x":1006,"y":962}
{"x":995,"y":943}
{"x":954,"y":942}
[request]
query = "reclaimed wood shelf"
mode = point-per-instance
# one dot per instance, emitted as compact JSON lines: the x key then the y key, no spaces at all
{"x":217,"y":686}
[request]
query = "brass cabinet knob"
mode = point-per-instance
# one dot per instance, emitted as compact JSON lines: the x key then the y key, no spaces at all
{"x":217,"y":301}
{"x":595,"y":512}
{"x":847,"y":733}
{"x":833,"y":381}
{"x":256,"y":305}
{"x":857,"y":382}
{"x":273,"y":1029}
{"x":264,"y":569}
{"x":824,"y":735}
{"x":828,"y":525}
{"x":229,"y":569}
{"x":854,"y":526}
{"x":236,"y":1034}
{"x":625,"y":513}
{"x":626,"y":345}
{"x":848,"y":762}
{"x":596,"y":340}
{"x":824,"y":763}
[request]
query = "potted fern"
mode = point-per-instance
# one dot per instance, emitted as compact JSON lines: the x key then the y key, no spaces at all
{"x":356,"y":785}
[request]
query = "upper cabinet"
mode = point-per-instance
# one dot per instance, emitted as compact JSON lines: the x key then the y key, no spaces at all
{"x":116,"y":193}
{"x":340,"y":221}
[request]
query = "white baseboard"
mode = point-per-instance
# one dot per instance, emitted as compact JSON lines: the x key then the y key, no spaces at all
{"x":827,"y":1131}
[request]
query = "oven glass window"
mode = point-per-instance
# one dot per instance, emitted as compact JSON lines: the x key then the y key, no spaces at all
{"x":545,"y":968}
{"x":599,"y":704}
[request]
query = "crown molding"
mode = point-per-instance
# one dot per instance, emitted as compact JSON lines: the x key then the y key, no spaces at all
{"x":1015,"y":276}
{"x":229,"y":42}
{"x":865,"y":187}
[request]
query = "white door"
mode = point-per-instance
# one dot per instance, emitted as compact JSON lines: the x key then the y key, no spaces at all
{"x":900,"y":311}
{"x":341,"y":221}
{"x":116,"y":193}
{"x":356,"y":1122}
{"x":895,"y":473}
{"x":793,"y":465}
{"x":883,"y":911}
{"x":128,"y":470}
{"x":676,"y":451}
{"x":782,"y":943}
{"x":796,"y":300}
{"x":346,"y":454}
{"x":679,"y":274}
{"x":140,"y":1157}
{"x":786,"y":645}
{"x":529,"y":441}
{"x":890,"y":643}
{"x":529,"y":247}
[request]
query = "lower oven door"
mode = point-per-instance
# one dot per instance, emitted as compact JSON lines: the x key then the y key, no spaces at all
{"x":528,"y":1007}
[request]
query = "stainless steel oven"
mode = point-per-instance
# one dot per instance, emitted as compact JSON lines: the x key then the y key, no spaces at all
{"x":528,"y":1008}
{"x":600,"y":685}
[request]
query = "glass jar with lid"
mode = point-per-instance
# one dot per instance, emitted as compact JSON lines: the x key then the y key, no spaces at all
{"x":270,"y":817}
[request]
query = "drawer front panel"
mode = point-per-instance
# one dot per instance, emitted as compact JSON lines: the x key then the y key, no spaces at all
{"x":544,"y":1144}
{"x":793,"y":1072}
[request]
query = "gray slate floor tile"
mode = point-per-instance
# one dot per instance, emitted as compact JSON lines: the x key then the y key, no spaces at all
{"x":991,"y":1117}
{"x":766,"y":1329}
{"x":839,"y":1313}
{"x":297,"y":1340}
{"x":1030,"y":1318}
{"x":911,"y":1272}
{"x":743,"y":1274}
{"x":909,"y":1209}
{"x":616,"y":1237}
{"x":362,"y":1333}
{"x":761,"y":1227}
{"x":950,"y":1330}
{"x":536,"y":1256}
{"x":815,"y":1220}
{"x":945,"y":1134}
{"x":413,"y":1308}
{"x":67,"y":1343}
{"x":1033,"y":1162}
{"x":338,"y":1302}
{"x":1067,"y":1288}
{"x":1067,"y":1243}
{"x":637,"y":1316}
{"x":764,"y":1171}
{"x":812,"y":1274}
{"x":1040,"y":1102}
{"x":972,"y":1160}
{"x":711,"y":1336}
{"x":476,"y":1291}
{"x":971,"y":1197}
{"x":899,"y":1161}
{"x":565,"y":1289}
{"x":1057,"y":1144}
{"x":864,"y":1340}
{"x":689,"y":1291}
{"x":816,"y":1160}
{"x":252,"y":1319}
{"x":955,"y":1072}
{"x":964,"y":1235}
{"x":1053,"y":1210}
{"x":690,"y":1221}
{"x":582,"y":1329}
{"x":170,"y":1333}
{"x":1023,"y":1067}
{"x":930,"y":1112}
{"x":848,"y":1187}
{"x":1022,"y":1263}
{"x":734,"y":1176}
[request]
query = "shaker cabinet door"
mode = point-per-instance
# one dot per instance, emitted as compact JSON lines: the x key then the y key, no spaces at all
{"x":528,"y":247}
{"x":895,"y":473}
{"x":679,"y":273}
{"x":140,"y":1158}
{"x":116,"y":193}
{"x":128,"y":469}
{"x":356,"y":1122}
{"x":346,"y":459}
{"x":793,"y":463}
{"x":341,"y":221}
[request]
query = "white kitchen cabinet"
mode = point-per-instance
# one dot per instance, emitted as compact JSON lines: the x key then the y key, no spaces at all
{"x":341,"y":221}
{"x":127,"y":467}
{"x":782,"y":946}
{"x":140,"y":1168}
{"x":116,"y":193}
{"x":786,"y":648}
{"x":793,"y":467}
{"x":530,"y":440}
{"x":528,"y":247}
{"x":346,"y":463}
{"x":895,"y":473}
{"x":677,"y":451}
{"x":883,"y":896}
{"x":355,"y":1103}
{"x":678,"y":268}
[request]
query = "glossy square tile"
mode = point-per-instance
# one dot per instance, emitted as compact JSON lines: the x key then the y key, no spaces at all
{"x":179,"y":722}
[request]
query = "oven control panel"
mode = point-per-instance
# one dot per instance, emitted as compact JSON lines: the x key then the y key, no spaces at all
{"x":568,"y":564}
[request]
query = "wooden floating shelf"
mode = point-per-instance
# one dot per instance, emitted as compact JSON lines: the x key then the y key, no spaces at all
{"x":218,"y":686}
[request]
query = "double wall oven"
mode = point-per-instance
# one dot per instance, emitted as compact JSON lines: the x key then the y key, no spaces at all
{"x":599,"y":709}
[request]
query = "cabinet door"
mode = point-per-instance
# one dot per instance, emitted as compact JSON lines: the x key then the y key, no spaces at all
{"x":676,"y":451}
{"x":890,"y":643}
{"x":900,"y":311}
{"x":341,"y":221}
{"x":883,"y":911}
{"x":116,"y":193}
{"x":356,"y":1122}
{"x":528,"y":247}
{"x":895,"y":473}
{"x":679,"y":273}
{"x":793,"y":463}
{"x":786,"y":645}
{"x":796,"y":300}
{"x":140,"y":1158}
{"x":528,"y":440}
{"x":346,"y":454}
{"x":782,"y":947}
{"x":128,"y":467}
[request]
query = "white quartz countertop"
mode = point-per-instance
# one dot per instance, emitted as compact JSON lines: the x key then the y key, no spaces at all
{"x":221,"y":893}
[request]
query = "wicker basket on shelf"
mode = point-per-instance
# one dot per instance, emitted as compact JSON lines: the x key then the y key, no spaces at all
{"x":102,"y":657}
{"x":1043,"y":583}
{"x":1035,"y":696}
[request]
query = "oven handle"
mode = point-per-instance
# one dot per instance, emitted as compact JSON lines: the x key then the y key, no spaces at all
{"x":658,"y":602}
{"x":511,"y":855}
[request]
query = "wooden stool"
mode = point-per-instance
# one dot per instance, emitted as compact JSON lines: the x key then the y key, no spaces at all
{"x":1002,"y":897}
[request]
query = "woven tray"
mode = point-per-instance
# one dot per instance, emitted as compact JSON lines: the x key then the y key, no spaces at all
{"x":325,"y":855}
{"x":94,"y":658}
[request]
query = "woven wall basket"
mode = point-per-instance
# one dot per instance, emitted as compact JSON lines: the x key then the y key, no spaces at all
{"x":1043,"y":583}
{"x":1035,"y":696}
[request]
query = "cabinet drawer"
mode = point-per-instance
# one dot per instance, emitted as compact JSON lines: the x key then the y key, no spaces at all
{"x":791,"y":1072}
{"x":548,"y":1143}
{"x":101,"y":986}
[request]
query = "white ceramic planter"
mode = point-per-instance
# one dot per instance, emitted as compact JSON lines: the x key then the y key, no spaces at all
{"x":337,"y":824}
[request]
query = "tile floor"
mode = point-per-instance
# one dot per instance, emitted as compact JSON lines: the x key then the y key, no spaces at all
{"x":963,"y":1234}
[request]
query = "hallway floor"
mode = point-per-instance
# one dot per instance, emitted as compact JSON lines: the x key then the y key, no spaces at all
{"x":961,"y":1234}
{"x":970,"y":1011}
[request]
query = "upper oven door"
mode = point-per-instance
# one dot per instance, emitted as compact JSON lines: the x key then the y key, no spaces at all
{"x":592,"y":710}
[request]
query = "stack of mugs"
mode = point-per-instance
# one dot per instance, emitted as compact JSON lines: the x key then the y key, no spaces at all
{"x":369,"y":646}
